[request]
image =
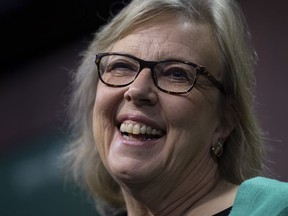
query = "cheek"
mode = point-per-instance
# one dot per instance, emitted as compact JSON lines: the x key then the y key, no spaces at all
{"x":104,"y":113}
{"x":192,"y":124}
{"x":184,"y":114}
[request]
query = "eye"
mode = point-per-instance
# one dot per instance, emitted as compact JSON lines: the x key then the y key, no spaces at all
{"x":121,"y":66}
{"x":176,"y":74}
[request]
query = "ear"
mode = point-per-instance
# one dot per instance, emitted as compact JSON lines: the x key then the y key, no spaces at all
{"x":226,"y":124}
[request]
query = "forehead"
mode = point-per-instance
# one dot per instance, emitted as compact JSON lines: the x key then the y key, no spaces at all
{"x":172,"y":38}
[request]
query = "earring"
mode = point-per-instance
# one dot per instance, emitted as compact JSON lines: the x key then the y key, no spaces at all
{"x":217,"y":149}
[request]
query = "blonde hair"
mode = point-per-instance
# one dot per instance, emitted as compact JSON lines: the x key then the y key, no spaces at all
{"x":243,"y":154}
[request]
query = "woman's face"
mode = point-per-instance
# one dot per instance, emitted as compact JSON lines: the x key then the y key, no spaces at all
{"x":186,"y":125}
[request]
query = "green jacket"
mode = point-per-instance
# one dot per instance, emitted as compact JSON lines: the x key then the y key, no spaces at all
{"x":261,"y":197}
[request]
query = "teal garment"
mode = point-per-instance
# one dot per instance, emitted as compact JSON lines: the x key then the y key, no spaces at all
{"x":261,"y":197}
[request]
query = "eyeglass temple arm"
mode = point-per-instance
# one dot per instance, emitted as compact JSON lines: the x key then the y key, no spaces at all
{"x":215,"y":82}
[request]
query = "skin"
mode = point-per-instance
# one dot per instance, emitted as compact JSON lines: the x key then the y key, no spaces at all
{"x":176,"y":174}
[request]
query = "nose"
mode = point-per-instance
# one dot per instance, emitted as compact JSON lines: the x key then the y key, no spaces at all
{"x":143,"y":90}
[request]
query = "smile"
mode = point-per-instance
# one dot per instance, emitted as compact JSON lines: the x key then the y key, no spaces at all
{"x":139,"y":131}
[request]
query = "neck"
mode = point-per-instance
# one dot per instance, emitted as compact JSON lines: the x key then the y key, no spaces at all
{"x":172,"y":195}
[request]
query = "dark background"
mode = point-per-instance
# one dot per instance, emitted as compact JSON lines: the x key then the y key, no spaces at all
{"x":41,"y":43}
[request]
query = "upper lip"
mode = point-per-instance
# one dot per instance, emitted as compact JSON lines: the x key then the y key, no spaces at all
{"x":139,"y":119}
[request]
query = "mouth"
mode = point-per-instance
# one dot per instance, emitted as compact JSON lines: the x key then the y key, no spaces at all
{"x":139,"y":132}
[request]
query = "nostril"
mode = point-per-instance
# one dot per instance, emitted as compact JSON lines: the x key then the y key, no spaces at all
{"x":127,"y":96}
{"x":141,"y":96}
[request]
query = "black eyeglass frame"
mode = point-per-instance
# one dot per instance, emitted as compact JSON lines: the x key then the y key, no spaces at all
{"x":151,"y":65}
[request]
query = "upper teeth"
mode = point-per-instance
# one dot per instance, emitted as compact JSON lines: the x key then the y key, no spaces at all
{"x":136,"y":128}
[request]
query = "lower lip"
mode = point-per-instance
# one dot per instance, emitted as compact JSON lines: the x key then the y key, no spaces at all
{"x":140,"y":143}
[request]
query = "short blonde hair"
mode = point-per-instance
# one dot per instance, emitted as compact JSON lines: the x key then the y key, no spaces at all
{"x":243,"y":154}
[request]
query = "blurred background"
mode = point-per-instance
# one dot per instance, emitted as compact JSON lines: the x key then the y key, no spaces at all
{"x":40,"y":45}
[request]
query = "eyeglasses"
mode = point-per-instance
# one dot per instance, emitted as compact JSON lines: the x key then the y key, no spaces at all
{"x":171,"y":76}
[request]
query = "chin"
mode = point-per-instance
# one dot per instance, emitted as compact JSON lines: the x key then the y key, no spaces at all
{"x":133,"y":161}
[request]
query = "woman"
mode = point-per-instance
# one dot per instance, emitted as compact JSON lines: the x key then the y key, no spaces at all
{"x":163,"y":121}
